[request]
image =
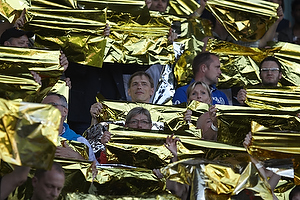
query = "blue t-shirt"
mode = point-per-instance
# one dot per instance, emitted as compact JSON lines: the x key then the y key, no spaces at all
{"x":218,"y":97}
{"x":69,"y":134}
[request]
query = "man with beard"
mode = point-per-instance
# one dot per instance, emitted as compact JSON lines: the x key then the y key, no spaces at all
{"x":270,"y":74}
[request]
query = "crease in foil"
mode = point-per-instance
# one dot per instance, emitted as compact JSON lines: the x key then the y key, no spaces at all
{"x":240,"y":65}
{"x":16,"y":79}
{"x":219,"y":178}
{"x":28,"y":133}
{"x":244,"y":20}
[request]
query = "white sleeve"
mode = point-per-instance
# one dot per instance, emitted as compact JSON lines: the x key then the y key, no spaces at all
{"x":91,"y":152}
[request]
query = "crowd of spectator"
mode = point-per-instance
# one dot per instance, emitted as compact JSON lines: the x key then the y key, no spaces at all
{"x":206,"y":68}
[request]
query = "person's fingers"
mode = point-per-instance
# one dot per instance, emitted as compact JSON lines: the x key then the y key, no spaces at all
{"x":96,"y":109}
{"x":106,"y":137}
{"x":157,"y":173}
{"x":66,"y":145}
{"x":36,"y":77}
{"x":68,"y":82}
{"x":247,"y":140}
{"x":21,"y":20}
{"x":107,"y":133}
{"x":106,"y":31}
{"x":176,"y":140}
{"x":168,"y":140}
{"x":63,"y":60}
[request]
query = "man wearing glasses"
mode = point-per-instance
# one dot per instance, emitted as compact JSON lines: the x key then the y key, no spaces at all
{"x":270,"y":74}
{"x":60,"y":102}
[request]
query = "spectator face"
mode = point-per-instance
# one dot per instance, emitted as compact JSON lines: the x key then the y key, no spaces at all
{"x":159,"y":5}
{"x":270,"y":74}
{"x":139,"y":121}
{"x":213,"y":71}
{"x":199,"y":93}
{"x":18,"y":42}
{"x":140,"y":89}
{"x":55,"y":101}
{"x":49,"y":186}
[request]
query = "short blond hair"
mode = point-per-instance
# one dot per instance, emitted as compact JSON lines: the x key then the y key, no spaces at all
{"x":193,"y":85}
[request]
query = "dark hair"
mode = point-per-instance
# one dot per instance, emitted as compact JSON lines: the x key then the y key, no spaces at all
{"x":56,"y":166}
{"x":294,"y":192}
{"x":295,"y":3}
{"x":141,"y":73}
{"x":61,"y":97}
{"x":271,"y":58}
{"x":14,"y":33}
{"x":201,"y":58}
{"x":135,"y":111}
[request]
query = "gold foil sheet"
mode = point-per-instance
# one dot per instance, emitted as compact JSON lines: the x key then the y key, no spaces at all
{"x":239,"y":64}
{"x":79,"y":147}
{"x":183,"y":67}
{"x":28,"y":133}
{"x":146,"y":149}
{"x":150,"y":30}
{"x":117,"y":110}
{"x":77,"y":32}
{"x":272,"y":144}
{"x":282,"y":98}
{"x":6,"y":10}
{"x":135,"y":147}
{"x":148,"y":40}
{"x":135,"y":40}
{"x":129,"y":181}
{"x":112,"y":182}
{"x":182,"y":7}
{"x":218,"y":179}
{"x":16,"y":80}
{"x":289,"y":57}
{"x":76,"y":196}
{"x":244,"y":20}
{"x":175,"y":7}
{"x":62,"y":4}
{"x":235,"y":121}
{"x":285,"y":187}
{"x":171,"y":116}
{"x":60,"y":88}
{"x":132,"y":6}
{"x":137,"y":36}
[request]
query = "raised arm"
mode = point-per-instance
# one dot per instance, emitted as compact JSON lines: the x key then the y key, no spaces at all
{"x":171,"y":145}
{"x":12,"y":180}
{"x":270,"y":34}
{"x":198,"y":12}
{"x":95,"y":111}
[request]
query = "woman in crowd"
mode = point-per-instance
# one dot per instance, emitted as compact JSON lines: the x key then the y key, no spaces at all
{"x":207,"y":122}
{"x":98,"y":135}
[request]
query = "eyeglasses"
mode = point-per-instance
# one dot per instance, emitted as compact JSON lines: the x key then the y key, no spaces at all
{"x":136,"y":122}
{"x":269,"y":69}
{"x":56,"y":104}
